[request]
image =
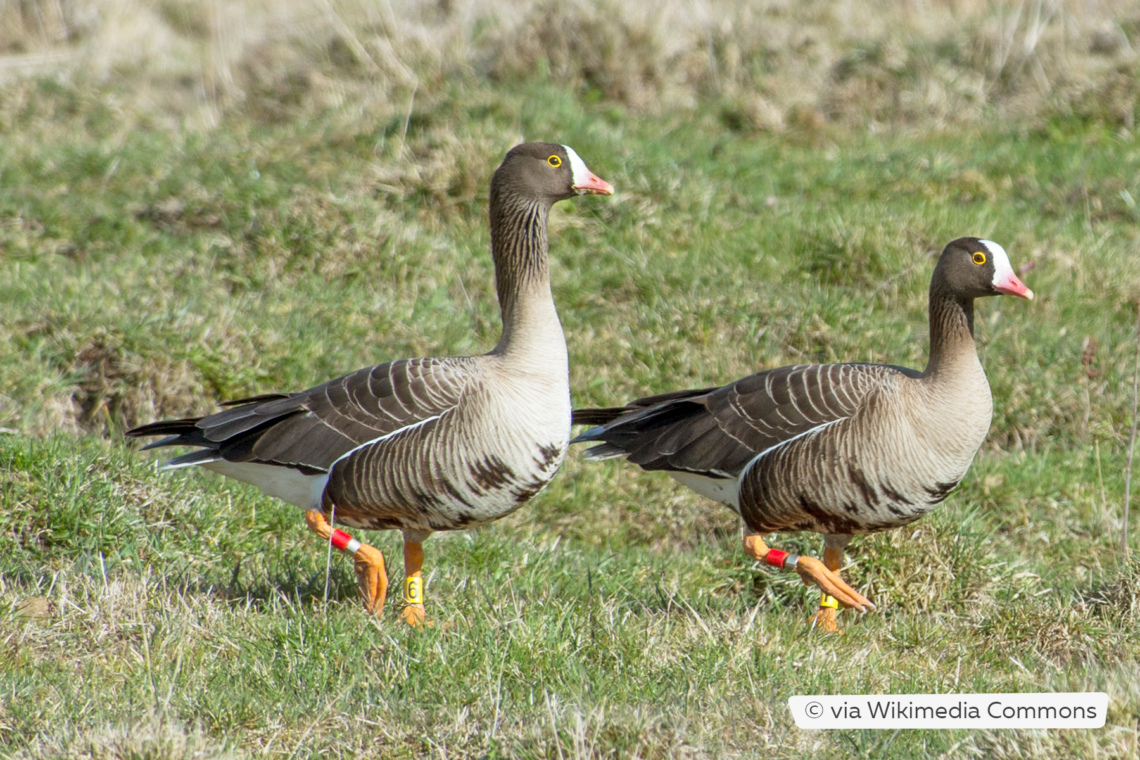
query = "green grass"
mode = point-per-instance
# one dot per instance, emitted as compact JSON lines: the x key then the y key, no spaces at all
{"x":148,"y":272}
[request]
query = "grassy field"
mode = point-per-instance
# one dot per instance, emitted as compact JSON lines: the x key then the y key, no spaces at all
{"x":200,"y":203}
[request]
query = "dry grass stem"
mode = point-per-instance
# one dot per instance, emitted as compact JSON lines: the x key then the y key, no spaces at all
{"x":1131,"y":440}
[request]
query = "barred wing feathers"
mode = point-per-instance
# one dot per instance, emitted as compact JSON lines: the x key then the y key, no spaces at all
{"x":310,"y":430}
{"x":718,"y":433}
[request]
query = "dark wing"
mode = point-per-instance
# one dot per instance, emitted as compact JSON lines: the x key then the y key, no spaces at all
{"x":718,"y":432}
{"x":609,"y":414}
{"x":311,"y":429}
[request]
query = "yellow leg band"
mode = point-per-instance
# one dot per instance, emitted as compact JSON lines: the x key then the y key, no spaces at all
{"x":414,"y":590}
{"x":827,"y":600}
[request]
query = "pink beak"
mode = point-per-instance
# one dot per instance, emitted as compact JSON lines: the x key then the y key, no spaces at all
{"x":1011,"y":286}
{"x":594,"y":185}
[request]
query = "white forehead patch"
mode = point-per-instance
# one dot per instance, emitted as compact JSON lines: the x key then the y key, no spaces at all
{"x":1002,"y":267}
{"x":578,"y":168}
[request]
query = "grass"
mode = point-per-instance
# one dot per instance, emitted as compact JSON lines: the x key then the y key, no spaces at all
{"x":323,"y":209}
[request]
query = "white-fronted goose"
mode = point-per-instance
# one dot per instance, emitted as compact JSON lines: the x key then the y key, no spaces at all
{"x":837,"y":449}
{"x":421,"y":444}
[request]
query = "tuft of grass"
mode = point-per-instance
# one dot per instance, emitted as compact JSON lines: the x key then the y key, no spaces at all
{"x":150,"y":740}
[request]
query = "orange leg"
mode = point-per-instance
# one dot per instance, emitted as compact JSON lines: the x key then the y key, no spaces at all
{"x":371,"y":578}
{"x":413,"y":612}
{"x":811,"y":570}
{"x":824,"y":618}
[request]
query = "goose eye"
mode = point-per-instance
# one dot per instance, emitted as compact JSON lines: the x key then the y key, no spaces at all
{"x":554,"y":161}
{"x":979,"y":258}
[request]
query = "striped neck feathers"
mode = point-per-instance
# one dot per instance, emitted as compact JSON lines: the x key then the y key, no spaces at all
{"x":519,"y":247}
{"x":951,"y":332}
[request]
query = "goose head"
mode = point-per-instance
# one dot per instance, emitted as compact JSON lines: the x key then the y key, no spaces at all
{"x":548,"y":172}
{"x":973,"y":268}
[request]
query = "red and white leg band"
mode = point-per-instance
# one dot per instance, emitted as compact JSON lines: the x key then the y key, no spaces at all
{"x":782,"y":559}
{"x":344,"y":542}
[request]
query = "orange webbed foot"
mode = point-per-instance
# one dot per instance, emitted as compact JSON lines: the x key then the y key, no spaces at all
{"x":371,"y":578}
{"x":415,"y":616}
{"x":814,"y":571}
{"x":825,"y":620}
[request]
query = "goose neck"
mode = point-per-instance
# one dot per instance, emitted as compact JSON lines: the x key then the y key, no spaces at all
{"x":952,"y":346}
{"x":522,"y":273}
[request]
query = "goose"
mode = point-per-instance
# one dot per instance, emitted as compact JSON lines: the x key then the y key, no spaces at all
{"x":421,"y":445}
{"x":836,"y":449}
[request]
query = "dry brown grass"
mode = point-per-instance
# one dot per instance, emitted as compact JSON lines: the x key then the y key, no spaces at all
{"x":775,"y":65}
{"x":153,"y":739}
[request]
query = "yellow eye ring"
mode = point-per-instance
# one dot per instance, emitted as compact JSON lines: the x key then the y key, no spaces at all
{"x":979,"y":258}
{"x":554,"y":161}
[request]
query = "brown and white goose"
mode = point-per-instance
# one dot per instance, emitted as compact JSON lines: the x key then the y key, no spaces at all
{"x":421,"y":444}
{"x":837,"y":449}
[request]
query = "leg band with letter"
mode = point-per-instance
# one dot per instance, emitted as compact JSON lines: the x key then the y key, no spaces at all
{"x":414,"y":590}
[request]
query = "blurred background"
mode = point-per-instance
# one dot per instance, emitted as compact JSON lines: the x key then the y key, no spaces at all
{"x":764,"y":66}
